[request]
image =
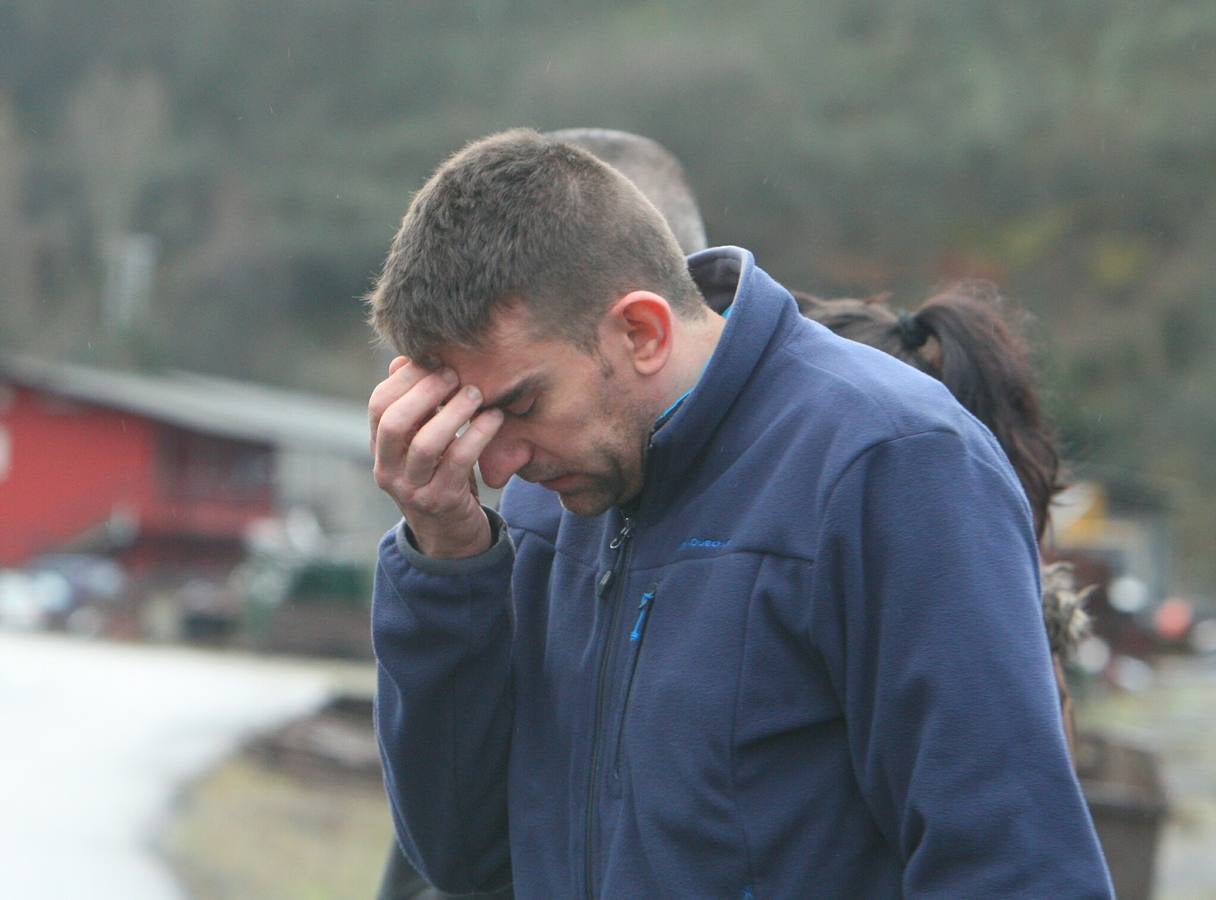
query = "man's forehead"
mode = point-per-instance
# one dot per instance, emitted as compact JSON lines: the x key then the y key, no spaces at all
{"x":506,"y":332}
{"x":508,"y":350}
{"x":495,"y":357}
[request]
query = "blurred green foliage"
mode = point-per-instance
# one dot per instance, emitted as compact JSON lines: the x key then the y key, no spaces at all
{"x":1065,"y":150}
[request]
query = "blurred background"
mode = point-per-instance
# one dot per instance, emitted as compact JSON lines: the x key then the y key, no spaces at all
{"x":194,"y":197}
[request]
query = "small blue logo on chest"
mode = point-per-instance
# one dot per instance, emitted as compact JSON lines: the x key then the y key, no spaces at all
{"x":703,"y":543}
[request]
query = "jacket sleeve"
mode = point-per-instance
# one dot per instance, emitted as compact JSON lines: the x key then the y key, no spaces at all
{"x":442,"y":632}
{"x":926,"y":608}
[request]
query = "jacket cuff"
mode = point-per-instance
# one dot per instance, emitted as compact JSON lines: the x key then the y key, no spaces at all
{"x":500,"y":550}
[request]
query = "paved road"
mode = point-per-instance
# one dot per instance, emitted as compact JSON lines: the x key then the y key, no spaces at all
{"x":96,"y":740}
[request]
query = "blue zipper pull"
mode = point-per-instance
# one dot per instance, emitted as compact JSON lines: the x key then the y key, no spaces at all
{"x":643,"y":609}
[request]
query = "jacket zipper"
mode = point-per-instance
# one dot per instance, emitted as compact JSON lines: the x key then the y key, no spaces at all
{"x":635,"y":638}
{"x":620,"y":547}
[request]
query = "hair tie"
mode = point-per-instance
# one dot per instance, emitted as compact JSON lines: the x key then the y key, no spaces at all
{"x":912,"y":332}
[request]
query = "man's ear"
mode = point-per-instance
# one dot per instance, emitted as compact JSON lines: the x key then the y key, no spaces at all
{"x":640,"y":323}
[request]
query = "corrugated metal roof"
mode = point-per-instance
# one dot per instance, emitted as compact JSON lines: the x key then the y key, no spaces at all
{"x":206,"y":403}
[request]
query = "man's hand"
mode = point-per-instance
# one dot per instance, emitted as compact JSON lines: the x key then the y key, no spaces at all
{"x":423,"y":465}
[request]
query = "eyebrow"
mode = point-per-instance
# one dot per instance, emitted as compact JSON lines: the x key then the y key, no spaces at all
{"x":512,"y":394}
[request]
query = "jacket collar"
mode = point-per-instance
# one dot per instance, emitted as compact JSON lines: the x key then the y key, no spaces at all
{"x":761,"y":311}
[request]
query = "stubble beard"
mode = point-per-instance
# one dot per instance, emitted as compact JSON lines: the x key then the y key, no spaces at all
{"x":602,"y":492}
{"x":613,"y":484}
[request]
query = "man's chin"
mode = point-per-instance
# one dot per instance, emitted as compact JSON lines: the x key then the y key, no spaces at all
{"x":584,"y":503}
{"x":585,"y":495}
{"x":581,"y":496}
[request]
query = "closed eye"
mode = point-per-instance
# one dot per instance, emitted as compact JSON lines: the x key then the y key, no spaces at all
{"x":519,"y":399}
{"x":523,"y":408}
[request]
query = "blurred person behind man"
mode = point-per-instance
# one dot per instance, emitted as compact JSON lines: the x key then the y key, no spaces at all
{"x":655,"y":170}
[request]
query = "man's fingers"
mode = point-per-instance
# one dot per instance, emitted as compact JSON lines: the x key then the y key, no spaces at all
{"x":454,"y":475}
{"x":402,"y":376}
{"x":434,"y":438}
{"x":393,"y":433}
{"x":467,"y":448}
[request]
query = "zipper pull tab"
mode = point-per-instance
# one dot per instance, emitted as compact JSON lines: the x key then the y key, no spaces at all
{"x":605,"y":582}
{"x":643,"y":609}
{"x":622,"y":535}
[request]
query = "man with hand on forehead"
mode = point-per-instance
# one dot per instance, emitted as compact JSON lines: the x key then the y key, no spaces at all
{"x":725,"y":638}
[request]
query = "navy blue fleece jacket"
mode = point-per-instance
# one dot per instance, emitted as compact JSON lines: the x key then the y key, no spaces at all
{"x":810,"y":663}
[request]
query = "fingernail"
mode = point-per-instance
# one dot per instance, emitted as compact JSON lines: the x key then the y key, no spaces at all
{"x":473,"y":394}
{"x":449,"y":376}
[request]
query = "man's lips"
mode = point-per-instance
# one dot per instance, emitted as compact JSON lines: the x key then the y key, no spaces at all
{"x":560,"y":483}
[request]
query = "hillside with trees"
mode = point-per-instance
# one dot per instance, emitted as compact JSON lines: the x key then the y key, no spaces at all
{"x":213,"y":185}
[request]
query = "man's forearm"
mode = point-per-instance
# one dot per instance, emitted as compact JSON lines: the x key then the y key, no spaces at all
{"x":442,"y":634}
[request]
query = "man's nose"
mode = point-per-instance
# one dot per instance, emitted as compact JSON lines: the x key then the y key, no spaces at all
{"x":502,"y":458}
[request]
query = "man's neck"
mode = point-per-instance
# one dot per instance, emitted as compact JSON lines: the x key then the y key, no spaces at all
{"x":696,"y":343}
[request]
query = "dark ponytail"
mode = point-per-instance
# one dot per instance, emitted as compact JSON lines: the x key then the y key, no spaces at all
{"x":960,"y":337}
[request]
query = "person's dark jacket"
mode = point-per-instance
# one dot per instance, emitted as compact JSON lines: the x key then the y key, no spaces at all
{"x":810,"y":663}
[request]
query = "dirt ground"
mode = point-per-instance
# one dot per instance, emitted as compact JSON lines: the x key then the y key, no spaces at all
{"x":298,"y":815}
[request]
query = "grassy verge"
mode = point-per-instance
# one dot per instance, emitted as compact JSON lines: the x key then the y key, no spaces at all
{"x":250,"y":831}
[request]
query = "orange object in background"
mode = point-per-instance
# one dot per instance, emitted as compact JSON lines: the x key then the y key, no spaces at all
{"x":1173,"y":618}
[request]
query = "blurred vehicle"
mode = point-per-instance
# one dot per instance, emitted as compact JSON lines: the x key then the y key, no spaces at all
{"x":314,"y":606}
{"x":74,"y":592}
{"x":208,"y":612}
{"x":95,"y":588}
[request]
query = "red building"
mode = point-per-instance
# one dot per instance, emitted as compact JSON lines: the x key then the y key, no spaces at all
{"x":165,"y":472}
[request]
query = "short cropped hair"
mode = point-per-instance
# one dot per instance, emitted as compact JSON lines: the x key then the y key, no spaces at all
{"x":519,"y":218}
{"x":654,"y":169}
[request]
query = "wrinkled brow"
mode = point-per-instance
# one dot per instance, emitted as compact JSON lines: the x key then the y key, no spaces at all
{"x":512,"y":394}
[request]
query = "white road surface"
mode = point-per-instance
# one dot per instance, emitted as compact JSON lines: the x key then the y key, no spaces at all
{"x":96,"y":738}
